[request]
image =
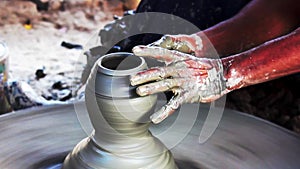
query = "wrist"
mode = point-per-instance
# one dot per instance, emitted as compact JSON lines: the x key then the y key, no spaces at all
{"x":215,"y":85}
{"x":233,"y":79}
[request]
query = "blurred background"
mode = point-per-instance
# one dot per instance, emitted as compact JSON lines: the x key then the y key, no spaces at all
{"x":44,"y":42}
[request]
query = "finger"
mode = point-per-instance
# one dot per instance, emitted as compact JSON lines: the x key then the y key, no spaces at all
{"x":168,"y":109}
{"x":186,"y":69}
{"x":161,"y":54}
{"x":164,"y":42}
{"x":183,"y":43}
{"x":158,"y":73}
{"x":160,"y":86}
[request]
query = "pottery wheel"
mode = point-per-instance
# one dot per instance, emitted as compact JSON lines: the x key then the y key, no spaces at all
{"x":41,"y":138}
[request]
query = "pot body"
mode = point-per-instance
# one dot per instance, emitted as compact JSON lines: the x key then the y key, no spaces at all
{"x":120,"y":118}
{"x":4,"y":103}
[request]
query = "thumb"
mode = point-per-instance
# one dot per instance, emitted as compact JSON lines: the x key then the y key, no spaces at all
{"x":182,"y":43}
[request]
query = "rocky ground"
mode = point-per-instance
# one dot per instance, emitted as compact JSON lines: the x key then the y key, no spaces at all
{"x":34,"y":37}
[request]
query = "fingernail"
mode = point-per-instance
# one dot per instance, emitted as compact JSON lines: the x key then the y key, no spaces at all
{"x":136,"y":79}
{"x":133,"y":80}
{"x":137,"y":50}
{"x":142,"y":90}
{"x":159,"y":116}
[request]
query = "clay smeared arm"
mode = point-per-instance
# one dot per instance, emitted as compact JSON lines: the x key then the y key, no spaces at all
{"x":273,"y":59}
{"x":193,"y":78}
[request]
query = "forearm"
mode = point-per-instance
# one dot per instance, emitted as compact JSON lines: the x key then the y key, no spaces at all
{"x":270,"y":60}
{"x":258,"y":22}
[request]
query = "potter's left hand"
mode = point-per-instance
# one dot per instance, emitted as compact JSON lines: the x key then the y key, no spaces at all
{"x":192,"y":79}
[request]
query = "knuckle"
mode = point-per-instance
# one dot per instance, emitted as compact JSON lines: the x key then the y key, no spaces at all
{"x":169,"y":83}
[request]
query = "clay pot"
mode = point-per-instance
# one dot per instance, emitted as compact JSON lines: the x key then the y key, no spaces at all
{"x":120,"y":118}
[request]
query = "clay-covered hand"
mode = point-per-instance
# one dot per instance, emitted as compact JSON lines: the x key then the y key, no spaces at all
{"x":191,"y":44}
{"x":192,"y":79}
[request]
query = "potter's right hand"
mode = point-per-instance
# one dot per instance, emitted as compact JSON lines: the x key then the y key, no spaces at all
{"x":192,"y":79}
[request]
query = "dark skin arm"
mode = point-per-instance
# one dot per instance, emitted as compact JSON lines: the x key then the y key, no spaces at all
{"x":195,"y":78}
{"x":258,"y":22}
{"x":270,"y":60}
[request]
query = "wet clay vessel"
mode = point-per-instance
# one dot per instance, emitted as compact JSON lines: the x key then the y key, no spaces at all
{"x":120,"y":118}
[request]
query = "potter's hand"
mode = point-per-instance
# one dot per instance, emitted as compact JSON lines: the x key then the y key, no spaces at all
{"x":191,"y":44}
{"x":191,"y":79}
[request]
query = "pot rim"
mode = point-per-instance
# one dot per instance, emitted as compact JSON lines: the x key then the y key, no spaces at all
{"x":125,"y":72}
